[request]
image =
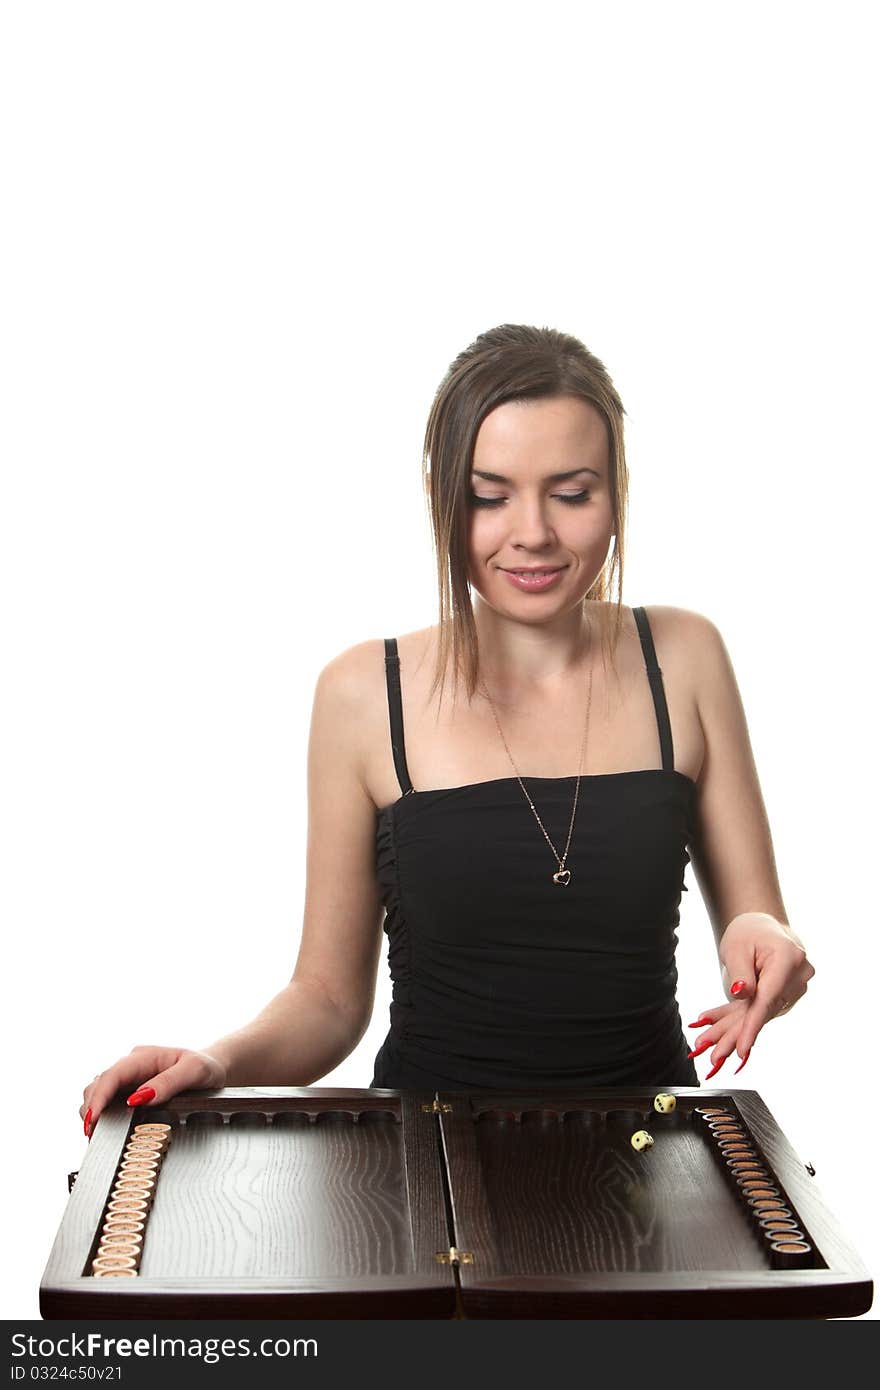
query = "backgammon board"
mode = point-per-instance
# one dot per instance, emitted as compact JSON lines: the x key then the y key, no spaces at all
{"x":350,"y":1203}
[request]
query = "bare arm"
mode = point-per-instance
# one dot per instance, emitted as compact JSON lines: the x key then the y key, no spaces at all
{"x":299,"y":1037}
{"x":317,"y":1019}
{"x":732,"y":853}
{"x":321,"y":1015}
{"x":764,"y":965}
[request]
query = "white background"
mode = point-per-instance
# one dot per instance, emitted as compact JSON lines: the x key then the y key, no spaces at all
{"x":240,"y":246}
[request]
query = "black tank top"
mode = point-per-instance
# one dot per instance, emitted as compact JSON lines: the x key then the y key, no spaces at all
{"x":503,"y":979}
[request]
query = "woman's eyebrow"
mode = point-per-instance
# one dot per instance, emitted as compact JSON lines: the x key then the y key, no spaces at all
{"x":551,"y":477}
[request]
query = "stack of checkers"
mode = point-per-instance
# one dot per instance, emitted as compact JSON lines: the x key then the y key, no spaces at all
{"x":776,"y":1219}
{"x":125,"y":1220}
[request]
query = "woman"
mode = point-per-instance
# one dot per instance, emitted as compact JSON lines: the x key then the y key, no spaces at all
{"x":524,"y":840}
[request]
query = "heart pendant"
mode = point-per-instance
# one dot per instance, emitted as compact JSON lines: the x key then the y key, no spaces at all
{"x":563,"y":876}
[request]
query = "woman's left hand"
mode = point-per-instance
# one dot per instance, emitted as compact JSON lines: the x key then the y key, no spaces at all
{"x":764,"y":967}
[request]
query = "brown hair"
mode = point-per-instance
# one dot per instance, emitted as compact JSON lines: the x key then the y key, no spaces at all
{"x":511,"y":362}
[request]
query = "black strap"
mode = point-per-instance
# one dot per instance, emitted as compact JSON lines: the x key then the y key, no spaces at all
{"x":395,"y":711}
{"x":655,"y":676}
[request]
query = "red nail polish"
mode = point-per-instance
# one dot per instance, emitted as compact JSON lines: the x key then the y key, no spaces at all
{"x":702,"y":1023}
{"x":142,"y":1096}
{"x":702,"y":1048}
{"x":86,"y":1123}
{"x":717,"y":1067}
{"x":737,"y":987}
{"x":743,"y":1062}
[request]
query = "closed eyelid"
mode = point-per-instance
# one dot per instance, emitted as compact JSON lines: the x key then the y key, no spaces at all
{"x":581,"y":495}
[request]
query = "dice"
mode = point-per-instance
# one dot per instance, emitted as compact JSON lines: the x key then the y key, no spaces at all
{"x":664,"y":1103}
{"x":641,"y":1140}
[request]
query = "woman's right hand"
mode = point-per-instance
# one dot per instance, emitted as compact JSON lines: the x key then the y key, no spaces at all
{"x":164,"y":1070}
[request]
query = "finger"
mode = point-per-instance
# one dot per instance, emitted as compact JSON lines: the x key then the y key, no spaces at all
{"x":762,"y":1008}
{"x":101,"y":1091}
{"x":712,"y":1017}
{"x":785,"y":1005}
{"x":778,"y":989}
{"x":87,"y":1117}
{"x":725,"y":1026}
{"x":738,"y":973}
{"x":717,"y":1067}
{"x":725,"y":1045}
{"x":743,"y":1062}
{"x":126,"y":1074}
{"x":189,"y":1072}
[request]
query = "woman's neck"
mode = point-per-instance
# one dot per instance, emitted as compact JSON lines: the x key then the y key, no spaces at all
{"x":522,"y":658}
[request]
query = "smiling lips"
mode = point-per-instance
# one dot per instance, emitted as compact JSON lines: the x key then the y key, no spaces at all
{"x":534,"y":580}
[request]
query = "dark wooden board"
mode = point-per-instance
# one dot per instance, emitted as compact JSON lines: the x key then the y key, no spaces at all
{"x":340,"y":1203}
{"x":556,"y":1215}
{"x":324,"y":1202}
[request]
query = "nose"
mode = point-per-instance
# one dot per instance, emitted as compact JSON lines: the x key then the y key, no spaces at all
{"x":530,"y":525}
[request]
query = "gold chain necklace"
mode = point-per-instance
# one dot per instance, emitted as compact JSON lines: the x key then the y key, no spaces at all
{"x":562,"y":875}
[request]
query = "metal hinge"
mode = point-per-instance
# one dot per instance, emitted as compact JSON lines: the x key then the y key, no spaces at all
{"x":436,"y":1107}
{"x":453,"y":1256}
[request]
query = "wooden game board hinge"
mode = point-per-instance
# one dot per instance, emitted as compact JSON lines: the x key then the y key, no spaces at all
{"x":454,"y":1256}
{"x":437,"y":1106}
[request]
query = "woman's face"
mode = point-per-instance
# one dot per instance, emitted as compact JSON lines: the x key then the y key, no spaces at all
{"x":523,"y":516}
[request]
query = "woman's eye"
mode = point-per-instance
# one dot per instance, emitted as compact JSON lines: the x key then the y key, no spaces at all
{"x":574,"y":499}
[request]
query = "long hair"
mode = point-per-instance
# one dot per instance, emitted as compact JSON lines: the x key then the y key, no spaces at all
{"x":513,"y":362}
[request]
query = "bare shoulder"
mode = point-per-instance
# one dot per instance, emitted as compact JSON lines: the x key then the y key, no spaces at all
{"x":342,"y":701}
{"x":352,"y":694}
{"x":681,"y":627}
{"x":346,"y":678}
{"x":679,"y":624}
{"x":692,"y":643}
{"x":356,"y":673}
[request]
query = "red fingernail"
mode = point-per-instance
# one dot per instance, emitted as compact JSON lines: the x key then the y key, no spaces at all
{"x":142,"y":1096}
{"x":737,"y":987}
{"x":702,"y":1023}
{"x":702,"y":1048}
{"x":743,"y":1062}
{"x":86,"y":1123}
{"x":717,"y":1067}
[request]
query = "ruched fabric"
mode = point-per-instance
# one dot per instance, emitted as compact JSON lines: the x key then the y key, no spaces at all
{"x":503,"y":979}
